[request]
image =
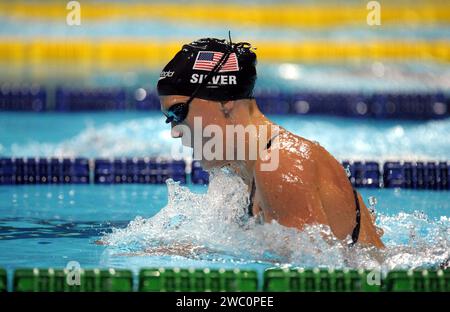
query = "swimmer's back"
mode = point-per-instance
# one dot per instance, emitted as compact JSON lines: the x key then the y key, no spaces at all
{"x":338,"y":200}
{"x":310,"y":186}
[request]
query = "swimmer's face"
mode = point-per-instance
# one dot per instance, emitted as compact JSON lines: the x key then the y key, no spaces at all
{"x":203,"y":112}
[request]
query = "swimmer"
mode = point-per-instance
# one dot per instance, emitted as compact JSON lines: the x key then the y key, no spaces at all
{"x":214,"y":79}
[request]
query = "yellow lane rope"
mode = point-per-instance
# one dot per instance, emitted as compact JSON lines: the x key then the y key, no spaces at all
{"x":283,"y":15}
{"x":113,"y":52}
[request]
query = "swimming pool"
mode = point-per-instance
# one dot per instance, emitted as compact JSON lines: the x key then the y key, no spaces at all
{"x":312,"y":59}
{"x":140,"y":134}
{"x":48,"y":226}
{"x":190,"y":226}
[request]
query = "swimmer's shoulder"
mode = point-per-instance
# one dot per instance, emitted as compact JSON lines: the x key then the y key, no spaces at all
{"x":300,"y":160}
{"x":292,"y":155}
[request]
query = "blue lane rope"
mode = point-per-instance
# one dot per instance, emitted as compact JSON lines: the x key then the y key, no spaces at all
{"x":433,"y":105}
{"x":392,"y":174}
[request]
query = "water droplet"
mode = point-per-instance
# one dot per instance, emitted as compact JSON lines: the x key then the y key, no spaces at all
{"x":372,"y":201}
{"x":372,"y":204}
{"x":347,"y":171}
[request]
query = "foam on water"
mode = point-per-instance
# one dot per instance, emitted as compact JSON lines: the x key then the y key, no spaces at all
{"x":379,"y":140}
{"x":214,"y":227}
{"x":133,"y":138}
{"x":344,"y":138}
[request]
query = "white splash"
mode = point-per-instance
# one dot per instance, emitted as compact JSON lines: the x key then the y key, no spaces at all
{"x":132,"y":138}
{"x":345,"y":139}
{"x":293,"y":144}
{"x":214,"y":227}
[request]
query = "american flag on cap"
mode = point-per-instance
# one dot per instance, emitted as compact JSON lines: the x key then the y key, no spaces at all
{"x":206,"y":60}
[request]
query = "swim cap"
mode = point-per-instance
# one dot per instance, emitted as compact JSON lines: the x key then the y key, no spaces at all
{"x":190,"y":66}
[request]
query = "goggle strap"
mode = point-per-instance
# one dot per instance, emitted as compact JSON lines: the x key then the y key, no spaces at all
{"x":214,"y":71}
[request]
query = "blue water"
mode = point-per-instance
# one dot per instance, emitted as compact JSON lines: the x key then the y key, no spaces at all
{"x":159,"y":29}
{"x":158,"y":225}
{"x":48,"y":226}
{"x":118,"y":134}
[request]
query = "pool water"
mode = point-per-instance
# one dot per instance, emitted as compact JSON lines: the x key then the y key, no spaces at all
{"x":48,"y":226}
{"x":139,"y":134}
{"x":134,"y":226}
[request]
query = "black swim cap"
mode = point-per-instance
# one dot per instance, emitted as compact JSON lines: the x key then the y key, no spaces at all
{"x":235,"y":80}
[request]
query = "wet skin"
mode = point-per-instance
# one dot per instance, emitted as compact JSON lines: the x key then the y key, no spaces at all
{"x":309,"y":186}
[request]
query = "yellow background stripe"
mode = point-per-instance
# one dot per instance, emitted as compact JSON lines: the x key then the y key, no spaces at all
{"x":150,"y":54}
{"x":286,"y":15}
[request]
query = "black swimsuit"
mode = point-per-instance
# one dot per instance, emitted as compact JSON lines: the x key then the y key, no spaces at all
{"x":355,"y":233}
{"x":253,"y":189}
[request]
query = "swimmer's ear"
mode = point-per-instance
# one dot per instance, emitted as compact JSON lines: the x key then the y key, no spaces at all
{"x":226,"y":107}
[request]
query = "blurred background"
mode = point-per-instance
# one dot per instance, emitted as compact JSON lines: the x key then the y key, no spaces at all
{"x":315,"y":58}
{"x":78,"y":106}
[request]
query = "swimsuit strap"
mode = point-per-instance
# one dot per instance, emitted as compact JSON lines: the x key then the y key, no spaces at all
{"x":253,"y":189}
{"x":252,"y":195}
{"x":355,"y":233}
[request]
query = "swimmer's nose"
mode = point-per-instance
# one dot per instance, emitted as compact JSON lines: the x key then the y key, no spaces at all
{"x":175,"y":132}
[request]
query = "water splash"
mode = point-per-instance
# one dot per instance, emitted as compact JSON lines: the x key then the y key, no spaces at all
{"x":214,"y":227}
{"x":346,"y":139}
{"x":141,"y":137}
